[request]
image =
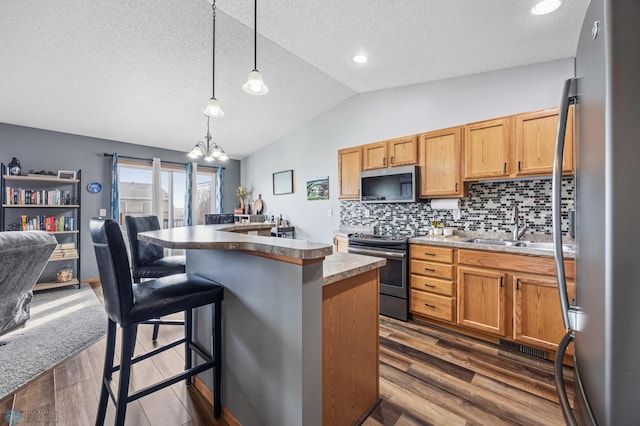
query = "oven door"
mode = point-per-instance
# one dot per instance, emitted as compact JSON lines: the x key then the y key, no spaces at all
{"x":393,"y":275}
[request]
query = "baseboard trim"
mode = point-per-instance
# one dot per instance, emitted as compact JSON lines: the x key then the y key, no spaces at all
{"x":208,"y":395}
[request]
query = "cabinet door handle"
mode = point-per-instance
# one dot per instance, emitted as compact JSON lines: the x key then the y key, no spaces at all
{"x":391,"y":160}
{"x":429,"y":269}
{"x":428,"y":254}
{"x":517,"y":284}
{"x":518,"y":166}
{"x":430,"y":306}
{"x":504,"y":168}
{"x":500,"y":281}
{"x":429,"y":285}
{"x":456,"y":186}
{"x":384,"y":161}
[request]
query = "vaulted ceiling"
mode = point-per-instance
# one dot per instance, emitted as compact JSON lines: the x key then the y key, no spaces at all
{"x":139,"y":71}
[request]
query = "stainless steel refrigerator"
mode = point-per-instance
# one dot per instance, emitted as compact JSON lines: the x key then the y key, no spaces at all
{"x":604,"y":321}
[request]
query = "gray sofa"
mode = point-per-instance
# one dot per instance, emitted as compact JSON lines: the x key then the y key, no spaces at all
{"x":23,"y":256}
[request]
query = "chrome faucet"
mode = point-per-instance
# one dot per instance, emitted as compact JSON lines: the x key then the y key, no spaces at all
{"x":517,"y":232}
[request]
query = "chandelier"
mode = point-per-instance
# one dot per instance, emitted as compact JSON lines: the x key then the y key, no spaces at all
{"x":210,"y":151}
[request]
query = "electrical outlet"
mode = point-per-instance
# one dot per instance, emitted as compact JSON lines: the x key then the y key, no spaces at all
{"x":103,"y":212}
{"x":330,"y":212}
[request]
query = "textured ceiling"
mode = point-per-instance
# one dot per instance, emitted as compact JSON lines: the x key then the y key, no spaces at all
{"x":139,"y":71}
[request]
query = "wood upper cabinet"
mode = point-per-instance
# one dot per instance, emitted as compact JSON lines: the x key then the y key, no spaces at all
{"x":440,"y":159}
{"x":487,"y":148}
{"x":349,"y":168}
{"x":394,"y":152}
{"x":533,"y":295}
{"x":481,"y":299}
{"x":535,"y":142}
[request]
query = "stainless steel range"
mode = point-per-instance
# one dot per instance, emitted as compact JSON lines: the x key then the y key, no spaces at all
{"x":394,"y":283}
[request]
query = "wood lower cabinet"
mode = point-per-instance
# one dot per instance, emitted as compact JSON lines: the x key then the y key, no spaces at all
{"x":349,"y":168}
{"x":487,"y":149}
{"x":481,"y":300}
{"x":391,"y":153}
{"x":533,"y":294}
{"x":489,"y":295}
{"x":432,"y":282}
{"x":529,"y":296}
{"x":440,"y":160}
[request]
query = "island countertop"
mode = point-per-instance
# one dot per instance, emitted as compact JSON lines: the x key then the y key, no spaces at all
{"x":340,"y":266}
{"x":230,"y":237}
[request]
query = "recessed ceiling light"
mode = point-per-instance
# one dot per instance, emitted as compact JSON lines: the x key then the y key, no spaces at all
{"x":546,"y":6}
{"x":359,"y":59}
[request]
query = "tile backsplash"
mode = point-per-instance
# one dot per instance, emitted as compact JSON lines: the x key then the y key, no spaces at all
{"x":487,"y":208}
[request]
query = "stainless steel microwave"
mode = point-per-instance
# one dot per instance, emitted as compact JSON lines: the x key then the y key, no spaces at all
{"x":390,"y":185}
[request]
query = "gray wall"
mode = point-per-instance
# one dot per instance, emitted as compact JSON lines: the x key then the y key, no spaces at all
{"x":46,"y":150}
{"x":311,"y":150}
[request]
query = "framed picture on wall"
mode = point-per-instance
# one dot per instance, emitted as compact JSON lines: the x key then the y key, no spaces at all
{"x":318,"y":188}
{"x":283,"y":182}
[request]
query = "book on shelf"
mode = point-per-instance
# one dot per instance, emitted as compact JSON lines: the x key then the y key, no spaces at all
{"x":40,"y":197}
{"x":47,"y":223}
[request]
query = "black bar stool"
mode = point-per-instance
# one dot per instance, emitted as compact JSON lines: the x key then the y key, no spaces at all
{"x":148,"y":260}
{"x":128,"y":304}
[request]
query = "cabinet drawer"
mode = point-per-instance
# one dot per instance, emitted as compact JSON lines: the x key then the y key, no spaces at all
{"x":432,"y":305}
{"x":431,"y":253}
{"x":432,"y":269}
{"x":432,"y":285}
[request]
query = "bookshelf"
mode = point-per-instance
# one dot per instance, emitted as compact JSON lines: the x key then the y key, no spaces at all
{"x":50,"y":204}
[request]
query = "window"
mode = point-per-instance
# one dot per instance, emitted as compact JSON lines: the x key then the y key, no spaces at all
{"x":136,"y":192}
{"x":205,"y":195}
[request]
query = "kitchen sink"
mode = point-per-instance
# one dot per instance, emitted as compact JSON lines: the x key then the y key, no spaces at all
{"x":527,"y":244}
{"x":493,"y":242}
{"x":542,"y":246}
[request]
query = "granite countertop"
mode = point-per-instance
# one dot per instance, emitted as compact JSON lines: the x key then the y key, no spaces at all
{"x":340,"y":266}
{"x":219,"y":237}
{"x":461,"y":241}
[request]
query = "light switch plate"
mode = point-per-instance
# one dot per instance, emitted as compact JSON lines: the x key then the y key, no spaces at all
{"x":103,"y":212}
{"x":330,"y":212}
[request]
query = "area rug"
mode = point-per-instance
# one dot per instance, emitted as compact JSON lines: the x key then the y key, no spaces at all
{"x":63,"y":322}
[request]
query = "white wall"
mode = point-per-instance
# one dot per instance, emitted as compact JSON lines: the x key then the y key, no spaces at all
{"x":311,"y":150}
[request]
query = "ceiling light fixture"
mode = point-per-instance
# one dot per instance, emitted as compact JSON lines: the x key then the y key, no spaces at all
{"x":211,"y":152}
{"x":213,"y":108}
{"x":546,"y":6}
{"x":255,"y":85}
{"x":359,"y":59}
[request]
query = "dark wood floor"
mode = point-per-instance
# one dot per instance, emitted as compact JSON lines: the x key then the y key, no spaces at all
{"x":427,"y":376}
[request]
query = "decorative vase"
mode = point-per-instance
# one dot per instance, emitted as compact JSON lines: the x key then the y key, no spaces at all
{"x":14,"y":167}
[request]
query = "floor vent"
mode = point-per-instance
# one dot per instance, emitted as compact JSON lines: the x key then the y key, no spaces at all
{"x":538,"y":353}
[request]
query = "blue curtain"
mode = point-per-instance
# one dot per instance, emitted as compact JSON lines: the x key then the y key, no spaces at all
{"x":188,"y":212}
{"x":219,"y":191}
{"x":115,"y":194}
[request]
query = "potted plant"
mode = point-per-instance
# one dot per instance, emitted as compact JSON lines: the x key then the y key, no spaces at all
{"x":437,"y":227}
{"x":243,"y":193}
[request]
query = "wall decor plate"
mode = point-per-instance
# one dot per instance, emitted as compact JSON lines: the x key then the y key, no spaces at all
{"x":94,"y":187}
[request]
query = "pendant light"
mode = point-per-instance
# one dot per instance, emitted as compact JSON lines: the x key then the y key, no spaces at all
{"x":213,"y":108}
{"x":211,"y":152}
{"x":254,"y":84}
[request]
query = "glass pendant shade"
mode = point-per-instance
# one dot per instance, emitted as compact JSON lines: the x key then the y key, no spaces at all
{"x":213,"y":108}
{"x":255,"y":85}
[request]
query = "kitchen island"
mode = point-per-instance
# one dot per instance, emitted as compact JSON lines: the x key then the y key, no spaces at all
{"x":297,"y":323}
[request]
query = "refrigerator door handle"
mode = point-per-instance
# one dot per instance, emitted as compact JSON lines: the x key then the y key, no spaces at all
{"x":561,"y":388}
{"x":568,"y":97}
